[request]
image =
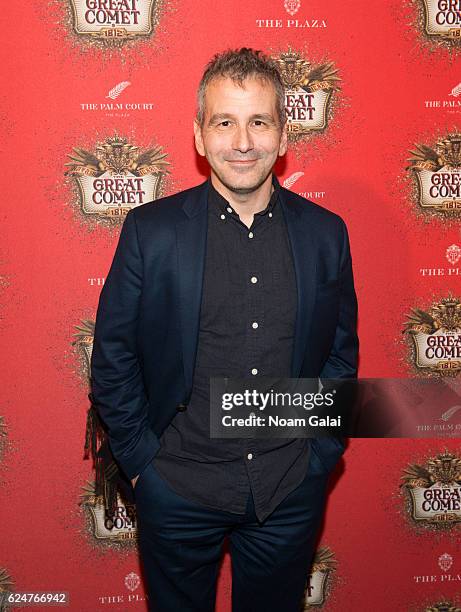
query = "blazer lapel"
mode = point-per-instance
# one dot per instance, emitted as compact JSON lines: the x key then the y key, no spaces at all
{"x":191,"y":234}
{"x":302,"y":241}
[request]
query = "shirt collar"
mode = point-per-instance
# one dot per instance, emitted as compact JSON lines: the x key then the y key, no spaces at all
{"x":221,"y":205}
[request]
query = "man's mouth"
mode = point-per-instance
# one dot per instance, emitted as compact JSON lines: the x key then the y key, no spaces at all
{"x":241,"y":161}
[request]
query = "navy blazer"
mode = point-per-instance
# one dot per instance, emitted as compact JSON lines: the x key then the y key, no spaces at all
{"x":148,"y":315}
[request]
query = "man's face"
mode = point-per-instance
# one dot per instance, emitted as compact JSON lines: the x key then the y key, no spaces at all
{"x":241,"y":136}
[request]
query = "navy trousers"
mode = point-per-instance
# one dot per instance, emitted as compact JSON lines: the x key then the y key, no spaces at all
{"x":181,"y":546}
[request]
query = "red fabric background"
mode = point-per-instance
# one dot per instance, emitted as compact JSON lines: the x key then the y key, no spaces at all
{"x":388,"y":71}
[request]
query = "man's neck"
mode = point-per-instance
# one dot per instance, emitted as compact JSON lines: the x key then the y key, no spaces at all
{"x":246,"y":205}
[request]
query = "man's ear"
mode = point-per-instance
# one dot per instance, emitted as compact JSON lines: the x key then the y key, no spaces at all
{"x":283,"y":140}
{"x":198,"y":138}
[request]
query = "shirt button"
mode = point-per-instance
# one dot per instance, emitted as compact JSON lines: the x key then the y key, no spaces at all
{"x":229,"y":209}
{"x":250,"y":456}
{"x":250,"y":235}
{"x":270,"y":214}
{"x":254,"y":279}
{"x":254,"y":371}
{"x":223,"y":216}
{"x":254,"y":325}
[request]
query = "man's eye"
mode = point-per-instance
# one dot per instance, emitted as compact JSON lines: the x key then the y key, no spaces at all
{"x":224,"y":123}
{"x":259,"y":122}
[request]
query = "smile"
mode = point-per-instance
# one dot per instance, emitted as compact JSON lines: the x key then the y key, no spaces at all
{"x":243,"y":162}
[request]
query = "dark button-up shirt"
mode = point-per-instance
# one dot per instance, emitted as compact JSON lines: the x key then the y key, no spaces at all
{"x":247,"y":322}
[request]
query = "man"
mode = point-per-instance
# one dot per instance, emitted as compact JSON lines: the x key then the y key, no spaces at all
{"x":235,"y":277}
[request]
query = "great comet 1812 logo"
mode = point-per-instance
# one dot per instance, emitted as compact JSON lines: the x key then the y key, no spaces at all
{"x":308,"y":92}
{"x":114,"y":21}
{"x":436,"y":335}
{"x":434,"y":491}
{"x":323,"y":565}
{"x":116,"y":177}
{"x":118,"y":526}
{"x":443,"y":18}
{"x":438,"y":174}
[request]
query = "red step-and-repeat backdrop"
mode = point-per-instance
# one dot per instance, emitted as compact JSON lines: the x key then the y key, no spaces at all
{"x":98,"y":101}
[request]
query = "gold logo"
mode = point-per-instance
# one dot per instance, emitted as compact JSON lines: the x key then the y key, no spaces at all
{"x":437,"y":171}
{"x":434,"y":491}
{"x":114,"y":22}
{"x":117,"y":177}
{"x":116,"y":526}
{"x":308,"y":91}
{"x":436,"y":335}
{"x":443,"y":18}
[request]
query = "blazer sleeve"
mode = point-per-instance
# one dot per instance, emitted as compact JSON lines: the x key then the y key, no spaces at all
{"x":343,"y":357}
{"x":116,"y":377}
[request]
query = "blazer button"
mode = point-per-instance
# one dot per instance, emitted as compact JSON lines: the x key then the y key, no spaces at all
{"x":181,"y":407}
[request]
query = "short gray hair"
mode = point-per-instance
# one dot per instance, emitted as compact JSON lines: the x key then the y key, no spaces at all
{"x":238,"y":65}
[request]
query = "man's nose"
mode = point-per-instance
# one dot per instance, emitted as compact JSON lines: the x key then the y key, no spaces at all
{"x":242,"y":139}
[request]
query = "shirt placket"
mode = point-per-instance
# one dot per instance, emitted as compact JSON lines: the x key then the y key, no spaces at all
{"x":250,"y":257}
{"x":253,"y":248}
